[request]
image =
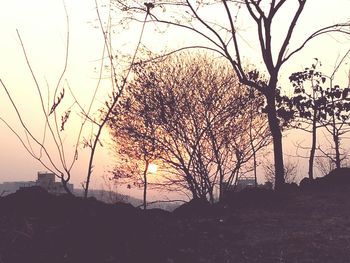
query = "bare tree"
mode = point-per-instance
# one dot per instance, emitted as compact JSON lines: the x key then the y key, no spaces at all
{"x":118,"y":83}
{"x":257,"y":132}
{"x":134,"y":154}
{"x":222,"y":36}
{"x":199,"y":119}
{"x":53,"y":125}
{"x":55,"y":119}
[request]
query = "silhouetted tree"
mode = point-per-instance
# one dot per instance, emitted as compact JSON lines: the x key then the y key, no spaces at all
{"x":222,"y":36}
{"x":200,"y":117}
{"x":320,"y":107}
{"x":336,"y":120}
{"x":309,"y":106}
{"x":54,"y":122}
{"x":133,"y":133}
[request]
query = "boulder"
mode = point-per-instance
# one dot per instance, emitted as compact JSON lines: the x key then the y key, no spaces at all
{"x":337,"y":179}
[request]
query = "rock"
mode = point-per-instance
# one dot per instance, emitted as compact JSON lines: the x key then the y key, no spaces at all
{"x":338,"y":178}
{"x":157,"y":212}
{"x":28,"y":200}
{"x":193,"y":207}
{"x":339,"y":174}
{"x":255,"y":198}
{"x":124,"y":208}
{"x":335,"y":180}
{"x":305,"y":183}
{"x":289,"y":188}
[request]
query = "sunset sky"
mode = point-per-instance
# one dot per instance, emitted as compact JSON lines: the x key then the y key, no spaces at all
{"x":42,"y":26}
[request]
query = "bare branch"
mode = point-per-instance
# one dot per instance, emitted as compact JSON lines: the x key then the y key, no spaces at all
{"x":343,"y":28}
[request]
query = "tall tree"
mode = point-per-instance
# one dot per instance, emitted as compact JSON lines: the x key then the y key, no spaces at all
{"x":309,"y":106}
{"x":320,"y":107}
{"x":221,"y":34}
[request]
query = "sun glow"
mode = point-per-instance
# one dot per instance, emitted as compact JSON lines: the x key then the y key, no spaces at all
{"x":152,"y":168}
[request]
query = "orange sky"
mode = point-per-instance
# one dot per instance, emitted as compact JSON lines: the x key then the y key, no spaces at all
{"x":42,"y":26}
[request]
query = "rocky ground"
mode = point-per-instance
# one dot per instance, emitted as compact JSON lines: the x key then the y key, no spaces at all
{"x":306,"y":224}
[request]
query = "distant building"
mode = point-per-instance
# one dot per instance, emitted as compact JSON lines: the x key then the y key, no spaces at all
{"x":241,"y":183}
{"x":11,"y":187}
{"x":245,"y":182}
{"x":45,"y":180}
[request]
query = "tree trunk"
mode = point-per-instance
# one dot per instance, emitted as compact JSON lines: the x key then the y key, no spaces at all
{"x":313,"y":146}
{"x":211,"y":196}
{"x":65,"y":186}
{"x":337,"y":151}
{"x":276,"y":138}
{"x":145,"y":185}
{"x":255,"y":169}
{"x":336,"y":141}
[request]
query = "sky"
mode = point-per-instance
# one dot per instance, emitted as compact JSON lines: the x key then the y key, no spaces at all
{"x":42,"y":27}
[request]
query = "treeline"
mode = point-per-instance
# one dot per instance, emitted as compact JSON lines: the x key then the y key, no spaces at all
{"x":190,"y":115}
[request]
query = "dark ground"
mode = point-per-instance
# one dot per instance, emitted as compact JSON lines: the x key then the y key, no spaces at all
{"x":308,"y":224}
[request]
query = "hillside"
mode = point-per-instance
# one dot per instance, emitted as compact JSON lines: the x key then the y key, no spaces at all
{"x":309,"y":224}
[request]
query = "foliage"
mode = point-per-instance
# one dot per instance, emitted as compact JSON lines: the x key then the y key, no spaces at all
{"x":321,"y":107}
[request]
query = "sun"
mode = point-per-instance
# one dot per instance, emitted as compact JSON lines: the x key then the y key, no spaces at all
{"x":152,"y":168}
